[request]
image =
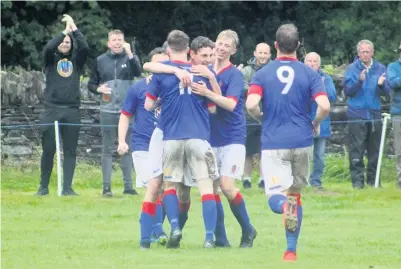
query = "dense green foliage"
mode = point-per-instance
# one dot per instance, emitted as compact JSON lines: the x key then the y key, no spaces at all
{"x":330,"y":28}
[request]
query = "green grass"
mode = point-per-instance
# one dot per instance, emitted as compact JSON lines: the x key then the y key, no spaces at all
{"x":354,"y":229}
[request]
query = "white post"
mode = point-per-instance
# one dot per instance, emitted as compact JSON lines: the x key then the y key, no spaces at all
{"x":57,"y":137}
{"x":382,"y":140}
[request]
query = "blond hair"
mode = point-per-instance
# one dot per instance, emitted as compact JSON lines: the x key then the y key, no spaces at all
{"x":115,"y":32}
{"x":230,"y":34}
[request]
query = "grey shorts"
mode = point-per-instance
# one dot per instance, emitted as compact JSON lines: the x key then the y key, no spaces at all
{"x":196,"y":154}
{"x":286,"y":169}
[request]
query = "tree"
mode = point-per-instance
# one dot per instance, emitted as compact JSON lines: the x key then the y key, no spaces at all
{"x":377,"y":21}
{"x":28,"y":26}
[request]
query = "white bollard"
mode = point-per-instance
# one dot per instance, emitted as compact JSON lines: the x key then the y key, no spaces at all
{"x":59,"y":171}
{"x":386,"y":117}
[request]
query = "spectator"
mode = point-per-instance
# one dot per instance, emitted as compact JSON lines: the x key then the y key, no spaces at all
{"x":312,"y":60}
{"x":394,"y":79}
{"x":112,"y":75}
{"x":64,"y":58}
{"x":260,"y":59}
{"x":364,"y":82}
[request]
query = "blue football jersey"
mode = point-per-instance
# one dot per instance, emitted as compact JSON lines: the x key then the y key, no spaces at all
{"x":229,"y":127}
{"x":144,"y":121}
{"x":184,"y":115}
{"x":288,"y":88}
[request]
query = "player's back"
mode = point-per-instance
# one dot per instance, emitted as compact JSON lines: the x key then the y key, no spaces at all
{"x":289,"y":88}
{"x":185,"y":115}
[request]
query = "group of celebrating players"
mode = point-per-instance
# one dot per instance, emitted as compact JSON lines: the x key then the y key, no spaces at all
{"x":190,"y":130}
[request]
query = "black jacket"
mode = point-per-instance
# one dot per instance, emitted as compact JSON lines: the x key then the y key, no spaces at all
{"x":118,"y":71}
{"x":63,"y":71}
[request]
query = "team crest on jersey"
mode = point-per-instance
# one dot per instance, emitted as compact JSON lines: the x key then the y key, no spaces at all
{"x":234,"y":168}
{"x":64,"y":68}
{"x":157,"y":112}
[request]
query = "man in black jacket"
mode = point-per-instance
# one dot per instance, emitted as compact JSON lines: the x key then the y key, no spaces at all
{"x":63,"y":66}
{"x":112,"y":75}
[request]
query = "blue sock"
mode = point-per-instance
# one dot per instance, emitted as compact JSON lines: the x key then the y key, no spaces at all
{"x":276,"y":202}
{"x":146,"y":220}
{"x":158,"y":219}
{"x":171,"y":207}
{"x":183,"y":215}
{"x":209,"y":215}
{"x":164,"y":213}
{"x":221,"y":236}
{"x":239,"y":210}
{"x":292,"y":238}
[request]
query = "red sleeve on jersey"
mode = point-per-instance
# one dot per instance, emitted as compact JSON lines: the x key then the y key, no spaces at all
{"x":255,"y":89}
{"x":126,"y":113}
{"x":233,"y":98}
{"x":319,"y":94}
{"x":151,"y":96}
{"x":211,"y":105}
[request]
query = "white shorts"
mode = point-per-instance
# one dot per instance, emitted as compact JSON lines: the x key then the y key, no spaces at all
{"x":285,"y":169}
{"x":231,"y":160}
{"x":187,"y":179}
{"x":142,"y":169}
{"x":196,"y":153}
{"x":155,"y":159}
{"x":155,"y":154}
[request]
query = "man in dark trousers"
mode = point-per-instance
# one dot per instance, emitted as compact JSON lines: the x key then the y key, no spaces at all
{"x":364,"y":82}
{"x":112,"y":75}
{"x":64,"y":57}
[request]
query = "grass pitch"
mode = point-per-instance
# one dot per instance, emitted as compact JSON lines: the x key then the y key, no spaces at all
{"x":354,"y":229}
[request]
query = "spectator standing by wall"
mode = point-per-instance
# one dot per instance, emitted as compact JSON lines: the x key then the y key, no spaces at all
{"x":64,"y":58}
{"x":112,"y":75}
{"x":312,"y":60}
{"x":364,"y":83}
{"x":261,"y":58}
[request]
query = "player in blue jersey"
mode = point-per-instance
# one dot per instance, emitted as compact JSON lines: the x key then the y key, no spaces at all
{"x":201,"y":51}
{"x":228,"y":134}
{"x":143,"y":126}
{"x":185,"y":125}
{"x":201,"y":57}
{"x":287,"y":89}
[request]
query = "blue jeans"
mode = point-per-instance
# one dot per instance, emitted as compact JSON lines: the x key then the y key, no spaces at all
{"x":319,"y":147}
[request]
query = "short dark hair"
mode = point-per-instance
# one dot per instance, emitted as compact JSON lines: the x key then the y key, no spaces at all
{"x":201,"y":42}
{"x":177,"y":41}
{"x":287,"y":38}
{"x":158,"y":50}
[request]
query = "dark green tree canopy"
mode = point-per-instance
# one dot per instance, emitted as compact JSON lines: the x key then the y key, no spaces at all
{"x":331,"y":29}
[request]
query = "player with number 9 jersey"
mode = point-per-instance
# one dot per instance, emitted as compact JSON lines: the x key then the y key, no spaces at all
{"x":287,"y":94}
{"x":287,"y":88}
{"x":185,"y":115}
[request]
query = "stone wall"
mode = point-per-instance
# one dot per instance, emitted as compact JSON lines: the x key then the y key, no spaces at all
{"x":22,"y":104}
